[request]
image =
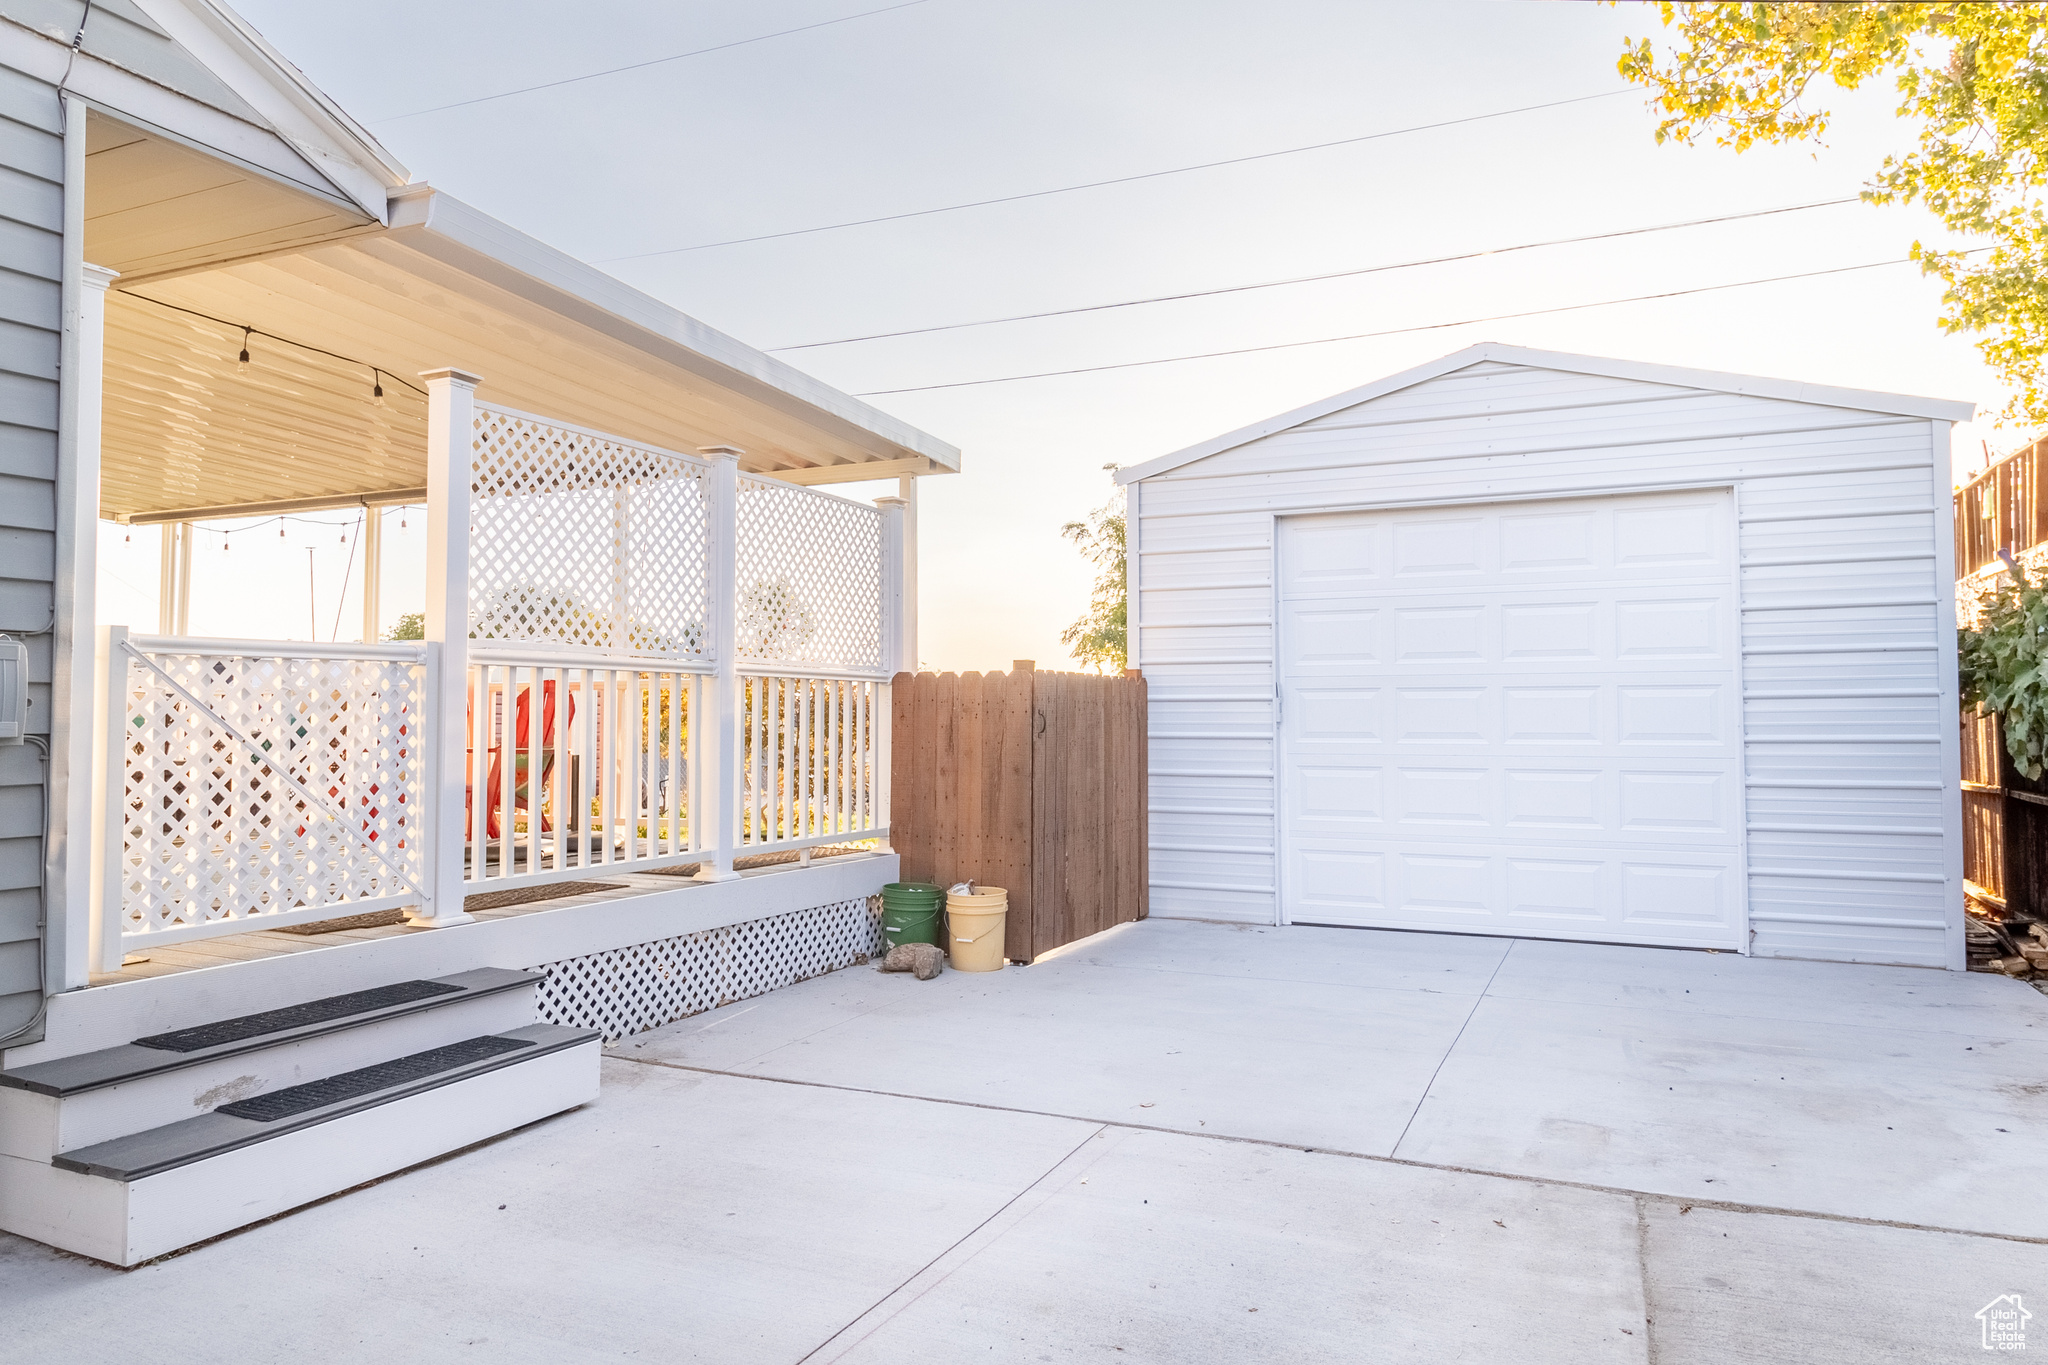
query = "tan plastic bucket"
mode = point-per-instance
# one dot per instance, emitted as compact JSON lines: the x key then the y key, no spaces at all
{"x":974,"y":929}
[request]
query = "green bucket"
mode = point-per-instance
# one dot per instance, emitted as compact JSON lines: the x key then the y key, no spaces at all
{"x":910,"y":912}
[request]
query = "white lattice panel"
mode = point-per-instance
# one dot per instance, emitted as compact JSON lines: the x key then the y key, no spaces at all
{"x":210,"y":830}
{"x":630,"y":990}
{"x":581,"y":539}
{"x":810,"y":577}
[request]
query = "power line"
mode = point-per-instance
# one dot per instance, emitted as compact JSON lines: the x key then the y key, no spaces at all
{"x":1391,"y":331}
{"x":1119,"y":180}
{"x":1334,"y":275}
{"x":657,"y":61}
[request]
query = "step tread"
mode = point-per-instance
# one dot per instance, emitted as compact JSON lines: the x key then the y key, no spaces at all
{"x":66,"y":1076}
{"x":196,"y":1139}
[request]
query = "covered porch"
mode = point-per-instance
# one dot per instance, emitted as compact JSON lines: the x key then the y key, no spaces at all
{"x":651,"y":644}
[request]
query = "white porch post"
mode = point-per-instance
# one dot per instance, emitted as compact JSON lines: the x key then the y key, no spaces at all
{"x":906,"y":489}
{"x":451,"y":402}
{"x":899,"y":630}
{"x":899,"y":634}
{"x":718,"y":787}
{"x":373,"y":571}
{"x":74,"y":815}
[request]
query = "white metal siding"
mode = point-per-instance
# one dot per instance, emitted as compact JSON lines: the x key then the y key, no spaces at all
{"x":1841,"y":626}
{"x":31,"y":238}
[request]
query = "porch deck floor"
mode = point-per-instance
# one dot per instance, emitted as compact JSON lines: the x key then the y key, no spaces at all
{"x":170,"y":959}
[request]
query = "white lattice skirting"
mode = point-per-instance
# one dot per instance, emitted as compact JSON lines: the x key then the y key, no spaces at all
{"x":630,"y":990}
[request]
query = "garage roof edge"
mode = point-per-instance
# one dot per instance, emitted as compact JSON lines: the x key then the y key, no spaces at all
{"x":1823,"y":395}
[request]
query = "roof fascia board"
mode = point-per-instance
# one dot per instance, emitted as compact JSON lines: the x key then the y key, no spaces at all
{"x":157,"y":109}
{"x":1756,"y":386}
{"x":1379,"y":388}
{"x":447,"y":230}
{"x":313,"y":124}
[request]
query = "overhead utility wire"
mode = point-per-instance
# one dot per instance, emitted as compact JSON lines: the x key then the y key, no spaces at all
{"x":1391,"y":331}
{"x":1334,"y":275}
{"x":657,"y":61}
{"x":1118,"y":180}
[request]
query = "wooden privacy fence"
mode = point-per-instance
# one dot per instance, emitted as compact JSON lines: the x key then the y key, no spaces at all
{"x":1034,"y":782}
{"x":2005,"y":826}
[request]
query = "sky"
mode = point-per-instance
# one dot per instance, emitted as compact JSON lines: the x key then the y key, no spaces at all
{"x":945,"y":101}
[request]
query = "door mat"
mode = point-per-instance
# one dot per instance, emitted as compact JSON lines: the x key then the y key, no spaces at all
{"x":523,"y":895}
{"x":350,"y":1085}
{"x":376,"y":919}
{"x":761,"y":860}
{"x":295,"y":1016}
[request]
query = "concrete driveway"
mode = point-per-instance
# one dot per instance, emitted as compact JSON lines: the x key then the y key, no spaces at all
{"x":1187,"y":1142}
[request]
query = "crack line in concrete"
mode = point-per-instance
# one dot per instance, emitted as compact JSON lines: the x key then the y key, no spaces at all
{"x":1654,"y":1196}
{"x":964,"y":1237}
{"x":1643,"y":1270}
{"x":1477,"y":1001}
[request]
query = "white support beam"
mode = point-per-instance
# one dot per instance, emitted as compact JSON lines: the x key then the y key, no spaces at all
{"x":867,"y":471}
{"x":167,"y":579}
{"x":451,"y":409}
{"x":373,"y":573}
{"x":181,"y":593}
{"x":73,"y":820}
{"x":897,"y":656}
{"x":720,"y":733}
{"x":906,"y":489}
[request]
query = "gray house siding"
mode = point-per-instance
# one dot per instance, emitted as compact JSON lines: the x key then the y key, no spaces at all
{"x":31,"y":256}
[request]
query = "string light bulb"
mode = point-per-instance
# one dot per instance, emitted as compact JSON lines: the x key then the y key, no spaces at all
{"x":243,"y":358}
{"x":377,"y":388}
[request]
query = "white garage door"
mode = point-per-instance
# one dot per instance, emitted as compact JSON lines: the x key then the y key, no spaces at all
{"x":1514,"y":719}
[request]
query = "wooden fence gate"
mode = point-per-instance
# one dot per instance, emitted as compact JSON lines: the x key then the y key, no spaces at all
{"x":1034,"y":782}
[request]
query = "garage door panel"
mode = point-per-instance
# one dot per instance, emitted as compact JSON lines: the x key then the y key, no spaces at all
{"x":1539,"y":733}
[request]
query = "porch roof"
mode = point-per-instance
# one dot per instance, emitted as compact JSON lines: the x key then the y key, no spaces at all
{"x":189,"y":430}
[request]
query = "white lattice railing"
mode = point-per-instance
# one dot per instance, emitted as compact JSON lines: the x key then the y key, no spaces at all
{"x":255,"y":784}
{"x":813,"y":762}
{"x":585,"y":540}
{"x":637,"y":659}
{"x":809,"y":579}
{"x":578,"y":762}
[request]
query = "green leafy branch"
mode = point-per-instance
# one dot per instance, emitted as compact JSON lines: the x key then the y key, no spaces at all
{"x":2001,"y":664}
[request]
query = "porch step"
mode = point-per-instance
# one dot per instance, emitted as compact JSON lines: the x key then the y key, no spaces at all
{"x":304,"y":1106}
{"x":95,"y":1097}
{"x":254,"y":1032}
{"x":143,"y":1195}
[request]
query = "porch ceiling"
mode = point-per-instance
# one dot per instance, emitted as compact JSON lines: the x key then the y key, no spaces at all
{"x":187,"y":426}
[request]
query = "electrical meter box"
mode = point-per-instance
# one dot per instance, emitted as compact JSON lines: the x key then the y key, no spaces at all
{"x":13,"y":690}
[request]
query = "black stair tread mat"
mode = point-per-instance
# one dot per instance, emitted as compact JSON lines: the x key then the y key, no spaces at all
{"x":295,"y":1016}
{"x":349,"y":1085}
{"x":85,"y":1071}
{"x":209,"y":1135}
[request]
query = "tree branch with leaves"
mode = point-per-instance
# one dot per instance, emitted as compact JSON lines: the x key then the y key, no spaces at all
{"x":1972,"y":80}
{"x":1101,"y":638}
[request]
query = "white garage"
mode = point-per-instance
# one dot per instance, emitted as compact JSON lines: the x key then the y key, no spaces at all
{"x":1553,"y":646}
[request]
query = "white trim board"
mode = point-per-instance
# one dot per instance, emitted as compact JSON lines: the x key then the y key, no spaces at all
{"x":1756,"y":386}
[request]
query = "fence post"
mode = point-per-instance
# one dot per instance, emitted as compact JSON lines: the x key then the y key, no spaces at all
{"x":451,"y":435}
{"x":721,"y":732}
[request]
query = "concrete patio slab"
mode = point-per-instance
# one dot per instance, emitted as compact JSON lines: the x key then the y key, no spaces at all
{"x":1152,"y":1247}
{"x":680,"y":1218}
{"x":1110,"y":1035}
{"x":1037,"y":1184}
{"x":1837,"y":993}
{"x":1808,"y":1291}
{"x":1913,"y":1125}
